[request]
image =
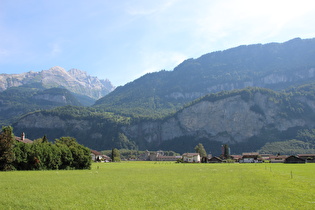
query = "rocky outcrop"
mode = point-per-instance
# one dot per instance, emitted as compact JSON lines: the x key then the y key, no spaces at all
{"x":41,"y":121}
{"x":268,"y":81}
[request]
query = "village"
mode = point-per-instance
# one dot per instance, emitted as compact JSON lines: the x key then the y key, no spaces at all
{"x":225,"y":157}
{"x":253,"y":157}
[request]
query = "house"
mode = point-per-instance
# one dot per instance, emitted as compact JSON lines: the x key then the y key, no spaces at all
{"x":277,"y":158}
{"x":265,"y":157}
{"x":236,"y":158}
{"x":23,"y":139}
{"x":294,"y":159}
{"x":107,"y":159}
{"x":252,"y":157}
{"x":158,"y":156}
{"x":309,"y":158}
{"x":191,"y":157}
{"x":215,"y":160}
{"x":96,"y":156}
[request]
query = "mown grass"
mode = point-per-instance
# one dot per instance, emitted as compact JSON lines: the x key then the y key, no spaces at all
{"x":162,"y":185}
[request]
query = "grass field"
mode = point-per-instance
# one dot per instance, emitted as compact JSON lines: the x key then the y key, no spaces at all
{"x":162,"y":185}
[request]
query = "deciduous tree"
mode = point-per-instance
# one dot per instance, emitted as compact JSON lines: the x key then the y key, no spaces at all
{"x":201,"y":150}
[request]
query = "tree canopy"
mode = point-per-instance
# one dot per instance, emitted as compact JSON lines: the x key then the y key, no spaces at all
{"x":201,"y":150}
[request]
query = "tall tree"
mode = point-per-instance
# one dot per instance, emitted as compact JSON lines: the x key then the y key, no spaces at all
{"x":201,"y":150}
{"x":226,"y":151}
{"x":7,"y":149}
{"x":44,"y":139}
{"x":115,"y":155}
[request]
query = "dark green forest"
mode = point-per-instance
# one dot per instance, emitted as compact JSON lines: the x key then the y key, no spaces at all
{"x":64,"y":153}
{"x":17,"y":101}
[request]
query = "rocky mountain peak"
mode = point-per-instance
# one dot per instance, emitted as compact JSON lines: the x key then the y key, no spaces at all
{"x":74,"y":80}
{"x":77,"y":73}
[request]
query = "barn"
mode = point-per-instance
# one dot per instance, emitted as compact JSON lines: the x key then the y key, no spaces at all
{"x":294,"y":159}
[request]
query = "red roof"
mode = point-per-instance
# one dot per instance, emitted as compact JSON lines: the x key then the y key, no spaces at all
{"x":250,"y":153}
{"x":24,"y":141}
{"x":95,"y":152}
{"x":236,"y":156}
{"x":306,"y":155}
{"x":190,"y":154}
{"x":278,"y":156}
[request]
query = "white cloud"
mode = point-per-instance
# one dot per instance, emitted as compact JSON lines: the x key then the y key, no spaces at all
{"x":145,"y":8}
{"x":55,"y":49}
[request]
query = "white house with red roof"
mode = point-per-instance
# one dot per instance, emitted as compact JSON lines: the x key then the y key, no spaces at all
{"x":191,"y":157}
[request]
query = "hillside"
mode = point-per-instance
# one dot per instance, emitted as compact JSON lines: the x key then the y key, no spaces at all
{"x":275,"y":66}
{"x":245,"y":119}
{"x":17,"y":101}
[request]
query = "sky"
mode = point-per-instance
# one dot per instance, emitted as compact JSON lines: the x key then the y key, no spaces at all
{"x":121,"y":40}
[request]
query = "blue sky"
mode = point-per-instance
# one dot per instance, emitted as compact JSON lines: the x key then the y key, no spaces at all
{"x":124,"y":39}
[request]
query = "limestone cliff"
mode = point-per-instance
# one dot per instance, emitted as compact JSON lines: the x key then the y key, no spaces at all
{"x":233,"y":119}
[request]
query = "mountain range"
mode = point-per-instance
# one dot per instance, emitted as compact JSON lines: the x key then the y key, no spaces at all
{"x":31,"y":91}
{"x":275,"y":65}
{"x":245,"y":96}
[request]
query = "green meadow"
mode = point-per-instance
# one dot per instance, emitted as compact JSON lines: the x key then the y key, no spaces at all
{"x":162,"y":185}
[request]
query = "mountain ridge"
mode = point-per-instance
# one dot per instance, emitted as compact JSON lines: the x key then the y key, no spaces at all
{"x":75,"y":80}
{"x":205,"y":100}
{"x":274,"y":65}
{"x":245,"y":119}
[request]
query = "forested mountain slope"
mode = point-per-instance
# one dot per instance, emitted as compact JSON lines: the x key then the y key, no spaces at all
{"x":275,"y":65}
{"x":17,"y":101}
{"x":245,"y":119}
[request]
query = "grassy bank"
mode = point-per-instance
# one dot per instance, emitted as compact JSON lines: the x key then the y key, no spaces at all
{"x":162,"y":185}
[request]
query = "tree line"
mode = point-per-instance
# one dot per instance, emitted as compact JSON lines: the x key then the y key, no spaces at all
{"x":64,"y":153}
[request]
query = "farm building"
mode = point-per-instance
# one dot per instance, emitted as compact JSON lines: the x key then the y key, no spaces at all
{"x":250,"y":158}
{"x":294,"y":159}
{"x":215,"y":160}
{"x":97,"y":156}
{"x":309,"y":158}
{"x":236,"y":158}
{"x":191,"y":157}
{"x":277,"y":158}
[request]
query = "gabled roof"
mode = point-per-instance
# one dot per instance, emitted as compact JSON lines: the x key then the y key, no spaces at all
{"x":294,"y":159}
{"x":236,"y":156}
{"x":190,"y":154}
{"x":306,"y":155}
{"x":106,"y":157}
{"x":215,"y":159}
{"x":278,"y":156}
{"x":250,"y":153}
{"x":95,"y":152}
